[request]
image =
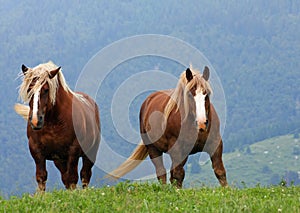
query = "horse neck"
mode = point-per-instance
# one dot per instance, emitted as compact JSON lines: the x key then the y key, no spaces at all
{"x":63,"y":101}
{"x":186,"y":108}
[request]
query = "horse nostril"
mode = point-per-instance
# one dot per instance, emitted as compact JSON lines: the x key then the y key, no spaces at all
{"x":40,"y":118}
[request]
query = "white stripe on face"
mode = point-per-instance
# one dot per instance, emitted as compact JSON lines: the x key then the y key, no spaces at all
{"x":36,"y":97}
{"x":200,"y":107}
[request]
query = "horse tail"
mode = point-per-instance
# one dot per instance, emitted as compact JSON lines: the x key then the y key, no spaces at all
{"x":136,"y":157}
{"x":22,"y":110}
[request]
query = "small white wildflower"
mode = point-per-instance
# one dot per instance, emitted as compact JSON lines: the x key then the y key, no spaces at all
{"x":102,"y":193}
{"x":279,"y":210}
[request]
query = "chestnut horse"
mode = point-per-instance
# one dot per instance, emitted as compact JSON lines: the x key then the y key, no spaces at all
{"x":180,"y":122}
{"x":62,"y":125}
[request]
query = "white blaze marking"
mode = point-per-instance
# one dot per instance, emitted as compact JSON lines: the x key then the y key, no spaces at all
{"x":35,"y":104}
{"x":200,"y":107}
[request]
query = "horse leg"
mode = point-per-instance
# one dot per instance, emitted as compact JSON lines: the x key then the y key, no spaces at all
{"x":62,"y":167}
{"x":218,"y":166}
{"x":40,"y":172}
{"x":70,"y":178}
{"x":86,"y":171}
{"x":157,"y":160}
{"x":177,"y":171}
{"x":88,"y":161}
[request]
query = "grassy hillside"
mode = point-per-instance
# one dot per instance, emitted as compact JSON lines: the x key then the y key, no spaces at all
{"x":264,"y":163}
{"x":146,"y":197}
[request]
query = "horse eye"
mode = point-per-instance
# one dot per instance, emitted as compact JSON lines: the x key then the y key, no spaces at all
{"x":46,"y":91}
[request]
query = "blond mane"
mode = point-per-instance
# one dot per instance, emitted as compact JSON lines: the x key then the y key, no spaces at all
{"x":179,"y":97}
{"x":41,"y":74}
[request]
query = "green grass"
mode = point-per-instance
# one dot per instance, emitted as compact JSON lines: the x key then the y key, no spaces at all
{"x":149,"y":197}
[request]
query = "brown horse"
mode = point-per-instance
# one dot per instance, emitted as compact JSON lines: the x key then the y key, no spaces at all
{"x":180,"y":122}
{"x":62,"y":125}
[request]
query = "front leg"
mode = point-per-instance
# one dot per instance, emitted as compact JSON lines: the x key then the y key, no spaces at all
{"x":218,"y":166}
{"x":41,"y":175}
{"x":40,"y":163}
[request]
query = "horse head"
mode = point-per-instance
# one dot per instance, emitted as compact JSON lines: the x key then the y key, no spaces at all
{"x":199,"y":89}
{"x":38,"y":93}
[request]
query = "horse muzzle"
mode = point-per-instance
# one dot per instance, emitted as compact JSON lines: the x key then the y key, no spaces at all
{"x":36,"y":122}
{"x":202,"y":126}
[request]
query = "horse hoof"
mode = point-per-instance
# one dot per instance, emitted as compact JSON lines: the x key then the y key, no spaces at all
{"x":72,"y":186}
{"x":85,"y":185}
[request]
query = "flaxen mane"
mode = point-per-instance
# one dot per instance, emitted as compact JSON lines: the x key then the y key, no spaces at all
{"x":40,"y":74}
{"x":179,"y":98}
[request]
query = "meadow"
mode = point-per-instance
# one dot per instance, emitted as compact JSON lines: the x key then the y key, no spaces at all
{"x":154,"y":197}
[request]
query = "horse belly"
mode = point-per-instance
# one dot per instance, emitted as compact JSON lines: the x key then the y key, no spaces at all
{"x":163,"y":145}
{"x":198,"y":147}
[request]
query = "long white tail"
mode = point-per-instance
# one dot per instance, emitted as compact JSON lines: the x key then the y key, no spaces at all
{"x":22,"y":110}
{"x":136,"y":157}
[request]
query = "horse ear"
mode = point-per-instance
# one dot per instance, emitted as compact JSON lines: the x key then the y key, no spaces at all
{"x":24,"y":69}
{"x":53,"y":73}
{"x":188,"y":74}
{"x":206,"y":73}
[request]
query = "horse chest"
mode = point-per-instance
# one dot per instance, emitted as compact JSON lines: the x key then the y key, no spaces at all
{"x":51,"y":139}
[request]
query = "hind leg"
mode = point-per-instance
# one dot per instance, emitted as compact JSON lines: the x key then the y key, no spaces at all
{"x":88,"y":161}
{"x":86,"y":171}
{"x":70,"y":177}
{"x":157,"y":160}
{"x":61,"y":165}
{"x":218,"y":166}
{"x":177,"y":170}
{"x":179,"y":154}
